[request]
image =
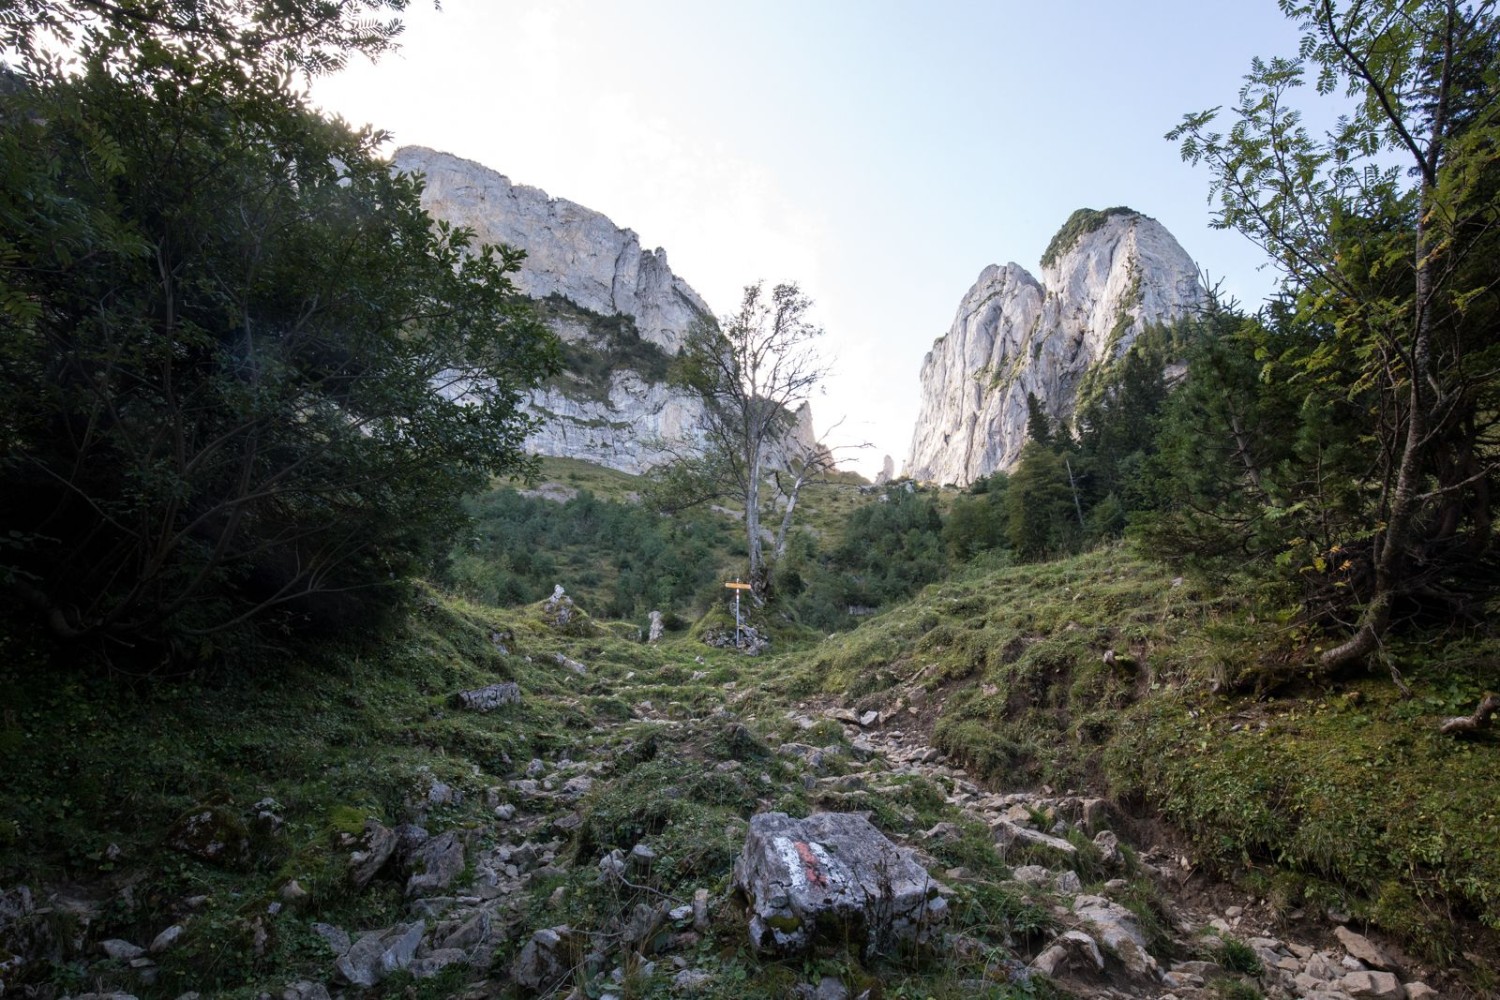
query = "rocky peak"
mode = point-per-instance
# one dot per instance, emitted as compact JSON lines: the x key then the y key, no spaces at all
{"x":1106,"y":276}
{"x":571,"y":251}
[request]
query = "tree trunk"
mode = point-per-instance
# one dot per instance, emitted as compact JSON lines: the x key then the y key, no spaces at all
{"x":760,"y":579}
{"x":1391,"y":544}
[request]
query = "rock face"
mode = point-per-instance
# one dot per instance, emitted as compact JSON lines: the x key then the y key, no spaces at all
{"x":571,"y":251}
{"x":619,"y":308}
{"x":1108,"y":276}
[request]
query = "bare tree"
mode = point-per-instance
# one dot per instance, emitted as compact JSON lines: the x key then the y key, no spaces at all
{"x":753,"y":370}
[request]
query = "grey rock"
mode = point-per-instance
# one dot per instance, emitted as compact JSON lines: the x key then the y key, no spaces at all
{"x":1420,"y":991}
{"x":833,"y":873}
{"x":1068,"y":883}
{"x":487,"y":699}
{"x":377,"y":845}
{"x":1031,"y":875}
{"x":436,"y":961}
{"x":1362,"y":948}
{"x":165,"y":939}
{"x":1015,"y":335}
{"x":692,"y":980}
{"x":505,"y":811}
{"x":305,"y":990}
{"x":657,"y":628}
{"x":546,"y":960}
{"x":379,"y":953}
{"x":1371,"y":985}
{"x":1108,"y":846}
{"x":1071,"y":950}
{"x":436,"y":864}
{"x":337,"y":938}
{"x":1117,"y":929}
{"x":121,"y":950}
{"x":1007,"y":834}
{"x":641,"y":858}
{"x":700,"y":910}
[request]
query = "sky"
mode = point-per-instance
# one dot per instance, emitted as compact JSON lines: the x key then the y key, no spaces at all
{"x":878,"y":153}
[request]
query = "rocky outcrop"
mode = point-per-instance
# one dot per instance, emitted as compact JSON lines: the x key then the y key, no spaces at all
{"x":571,"y":251}
{"x":1107,"y":277}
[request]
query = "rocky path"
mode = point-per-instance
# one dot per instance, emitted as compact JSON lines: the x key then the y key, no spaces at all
{"x":1125,"y":920}
{"x":1103,"y":949}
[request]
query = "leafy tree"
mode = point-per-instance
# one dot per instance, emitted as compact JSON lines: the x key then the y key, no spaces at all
{"x":1385,"y":230}
{"x":244,"y":378}
{"x":752,"y":371}
{"x":888,"y":551}
{"x":979,"y":521}
{"x":1042,"y":516}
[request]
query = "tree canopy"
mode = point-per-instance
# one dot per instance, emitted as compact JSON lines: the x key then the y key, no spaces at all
{"x":244,"y":379}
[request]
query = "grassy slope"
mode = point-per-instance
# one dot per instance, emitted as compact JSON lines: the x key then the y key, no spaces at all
{"x":1348,"y":789}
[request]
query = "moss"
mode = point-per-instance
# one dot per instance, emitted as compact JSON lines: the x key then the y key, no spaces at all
{"x":1079,"y":225}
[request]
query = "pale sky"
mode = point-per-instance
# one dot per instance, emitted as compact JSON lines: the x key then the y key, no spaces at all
{"x":879,"y":153}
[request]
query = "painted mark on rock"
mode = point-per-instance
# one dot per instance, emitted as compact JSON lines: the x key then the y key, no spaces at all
{"x":808,"y":865}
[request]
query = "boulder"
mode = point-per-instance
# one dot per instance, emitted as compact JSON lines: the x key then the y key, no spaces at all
{"x":1371,"y":985}
{"x":377,"y":844}
{"x":1074,"y":951}
{"x":1362,"y":948}
{"x":832,"y":874}
{"x":1117,"y":929}
{"x":377,"y":954}
{"x":1008,"y":834}
{"x":436,"y":864}
{"x":211,"y":833}
{"x":657,"y":628}
{"x":487,"y":699}
{"x":547,"y":959}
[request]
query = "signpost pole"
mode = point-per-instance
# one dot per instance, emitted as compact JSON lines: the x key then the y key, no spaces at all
{"x":736,"y":586}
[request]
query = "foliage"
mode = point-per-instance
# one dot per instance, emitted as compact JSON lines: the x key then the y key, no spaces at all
{"x":890,"y":549}
{"x":1385,"y":232}
{"x":244,"y":379}
{"x":619,"y":560}
{"x":752,"y":371}
{"x":1079,"y":224}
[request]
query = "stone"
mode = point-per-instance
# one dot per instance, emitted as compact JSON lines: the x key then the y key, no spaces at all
{"x":165,"y":939}
{"x":121,"y":950}
{"x":434,"y":962}
{"x":377,"y":954}
{"x":487,"y":699}
{"x":834,"y":874}
{"x":691,"y":980}
{"x":641,"y":858}
{"x":700,"y":910}
{"x":1031,"y":875}
{"x":1117,"y":929}
{"x":1108,"y":846}
{"x":505,"y":811}
{"x":1371,"y":985}
{"x":1068,"y":883}
{"x":436,"y":864}
{"x":1015,"y":335}
{"x":292,"y":892}
{"x":305,"y":990}
{"x":656,"y":629}
{"x":377,"y":844}
{"x":568,"y":663}
{"x":337,"y":938}
{"x":1074,"y":949}
{"x":211,"y":833}
{"x":546,"y":960}
{"x":1362,"y":948}
{"x":1420,"y":991}
{"x":577,"y":787}
{"x":1008,"y":834}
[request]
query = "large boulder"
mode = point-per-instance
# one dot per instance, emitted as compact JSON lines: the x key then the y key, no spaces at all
{"x":832,"y":874}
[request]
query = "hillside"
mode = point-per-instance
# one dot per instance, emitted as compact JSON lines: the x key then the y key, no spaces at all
{"x":242,"y":809}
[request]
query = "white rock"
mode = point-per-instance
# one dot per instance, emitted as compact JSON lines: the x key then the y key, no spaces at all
{"x":1015,"y":335}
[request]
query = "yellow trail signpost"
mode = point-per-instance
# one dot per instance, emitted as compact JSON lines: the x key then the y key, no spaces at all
{"x":736,"y":586}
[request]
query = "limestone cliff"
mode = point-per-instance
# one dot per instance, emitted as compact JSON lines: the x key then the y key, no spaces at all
{"x":619,"y":309}
{"x":1105,"y":278}
{"x":571,"y":251}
